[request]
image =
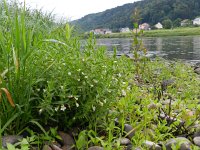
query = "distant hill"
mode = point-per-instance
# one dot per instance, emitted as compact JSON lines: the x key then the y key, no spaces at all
{"x":152,"y":11}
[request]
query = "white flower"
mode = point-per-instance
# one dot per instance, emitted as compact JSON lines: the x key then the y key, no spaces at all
{"x":101,"y":104}
{"x":123,"y":83}
{"x":119,"y":75}
{"x":76,"y":98}
{"x":63,"y":108}
{"x":123,"y":93}
{"x":82,"y":73}
{"x":38,"y":90}
{"x":78,"y":79}
{"x":61,"y":87}
{"x":77,"y":105}
{"x":79,"y":70}
{"x":69,"y":73}
{"x":93,"y":108}
{"x":86,"y":77}
{"x":44,"y":90}
{"x":92,"y":85}
{"x":115,"y":61}
{"x":56,"y":108}
{"x":95,"y":81}
{"x":40,"y":111}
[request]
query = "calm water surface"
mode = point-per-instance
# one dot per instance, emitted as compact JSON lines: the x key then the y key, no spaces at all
{"x":184,"y":48}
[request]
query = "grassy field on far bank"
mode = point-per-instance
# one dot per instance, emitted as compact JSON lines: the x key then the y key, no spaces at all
{"x":187,"y":31}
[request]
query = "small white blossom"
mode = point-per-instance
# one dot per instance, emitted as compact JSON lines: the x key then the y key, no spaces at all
{"x":69,"y":73}
{"x":119,"y":75}
{"x":123,"y":93}
{"x":123,"y":83}
{"x":76,"y":98}
{"x":101,"y":104}
{"x":56,"y":108}
{"x":38,"y":90}
{"x":93,"y":108}
{"x":92,"y":85}
{"x":40,"y":111}
{"x":79,"y":70}
{"x":63,"y":108}
{"x":61,"y":87}
{"x":78,"y":79}
{"x":82,"y":73}
{"x":95,"y":81}
{"x":86,"y":77}
{"x":77,"y":105}
{"x":44,"y":90}
{"x":115,"y":61}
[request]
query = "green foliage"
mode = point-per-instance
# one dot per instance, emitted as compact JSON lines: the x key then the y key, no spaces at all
{"x":167,"y":24}
{"x":153,"y":11}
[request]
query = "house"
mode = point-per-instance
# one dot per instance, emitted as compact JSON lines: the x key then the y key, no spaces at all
{"x":124,"y":30}
{"x":144,"y":26}
{"x":196,"y":21}
{"x":158,"y":26}
{"x":101,"y":31}
{"x":185,"y":22}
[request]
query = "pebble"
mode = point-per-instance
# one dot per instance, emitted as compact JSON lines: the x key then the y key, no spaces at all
{"x":12,"y":139}
{"x":129,"y":130}
{"x":196,"y":141}
{"x":66,"y":139}
{"x":95,"y":148}
{"x":125,"y":141}
{"x":151,"y":145}
{"x":183,"y":142}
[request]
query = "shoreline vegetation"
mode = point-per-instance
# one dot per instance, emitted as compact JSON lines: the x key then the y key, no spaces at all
{"x":57,"y":94}
{"x":182,"y":31}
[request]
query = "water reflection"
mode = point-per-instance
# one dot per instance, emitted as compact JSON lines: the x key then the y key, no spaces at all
{"x":186,"y":48}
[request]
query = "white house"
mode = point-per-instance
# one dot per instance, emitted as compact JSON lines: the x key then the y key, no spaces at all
{"x":101,"y":31}
{"x":196,"y":21}
{"x":124,"y":30}
{"x":185,"y":22}
{"x":159,"y":26}
{"x":144,"y":26}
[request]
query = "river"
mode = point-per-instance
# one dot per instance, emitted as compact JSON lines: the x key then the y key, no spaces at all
{"x":182,"y":48}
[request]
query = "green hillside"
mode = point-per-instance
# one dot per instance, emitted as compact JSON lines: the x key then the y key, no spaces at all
{"x":152,"y":11}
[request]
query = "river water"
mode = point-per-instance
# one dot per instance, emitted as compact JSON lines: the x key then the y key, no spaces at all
{"x":182,"y":48}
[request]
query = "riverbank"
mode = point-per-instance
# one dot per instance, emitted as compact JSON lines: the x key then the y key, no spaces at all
{"x":189,"y":31}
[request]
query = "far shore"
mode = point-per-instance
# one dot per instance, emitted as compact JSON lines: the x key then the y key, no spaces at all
{"x":186,"y":31}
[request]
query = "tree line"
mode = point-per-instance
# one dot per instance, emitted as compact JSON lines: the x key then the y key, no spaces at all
{"x":151,"y":11}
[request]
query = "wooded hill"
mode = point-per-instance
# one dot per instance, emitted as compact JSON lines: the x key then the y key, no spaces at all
{"x":151,"y":11}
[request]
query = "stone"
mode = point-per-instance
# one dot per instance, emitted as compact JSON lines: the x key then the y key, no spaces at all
{"x":183,"y":142}
{"x":152,"y":106}
{"x":197,"y":70}
{"x":66,"y":139}
{"x":46,"y":147}
{"x":55,"y":147}
{"x":67,"y":147}
{"x":124,"y":141}
{"x":129,"y":147}
{"x":95,"y":148}
{"x":151,"y":145}
{"x":166,"y":83}
{"x":129,"y":130}
{"x":196,"y":140}
{"x":12,"y":139}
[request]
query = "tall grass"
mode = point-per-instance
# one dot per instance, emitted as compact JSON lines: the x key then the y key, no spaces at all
{"x":21,"y":32}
